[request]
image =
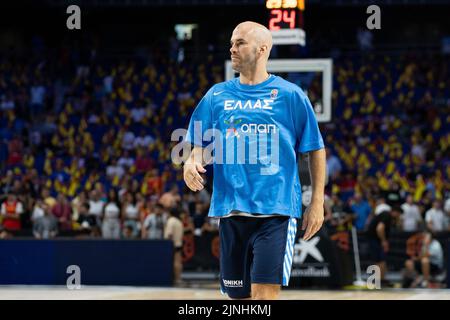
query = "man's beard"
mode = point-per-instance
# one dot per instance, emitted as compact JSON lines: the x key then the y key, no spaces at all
{"x":243,"y":65}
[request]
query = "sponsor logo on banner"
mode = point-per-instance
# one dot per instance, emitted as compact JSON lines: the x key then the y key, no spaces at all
{"x":308,"y":261}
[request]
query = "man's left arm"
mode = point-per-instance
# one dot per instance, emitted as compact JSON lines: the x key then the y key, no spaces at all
{"x":314,"y":215}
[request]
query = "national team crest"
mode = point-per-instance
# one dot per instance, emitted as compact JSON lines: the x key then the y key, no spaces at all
{"x":232,"y":131}
{"x":273,"y":93}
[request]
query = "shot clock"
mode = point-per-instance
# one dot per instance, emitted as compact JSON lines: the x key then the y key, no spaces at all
{"x":286,"y":21}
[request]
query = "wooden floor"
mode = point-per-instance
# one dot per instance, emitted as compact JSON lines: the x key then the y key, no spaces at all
{"x":152,"y":293}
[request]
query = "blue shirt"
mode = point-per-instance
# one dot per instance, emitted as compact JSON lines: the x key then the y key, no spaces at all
{"x":362,"y":210}
{"x":264,"y":178}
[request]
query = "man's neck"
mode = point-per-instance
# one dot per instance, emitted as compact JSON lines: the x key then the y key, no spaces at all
{"x":254,"y":77}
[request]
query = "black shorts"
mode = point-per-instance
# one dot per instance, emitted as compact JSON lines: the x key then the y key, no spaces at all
{"x":376,"y":251}
{"x":255,"y":250}
{"x":434,"y":269}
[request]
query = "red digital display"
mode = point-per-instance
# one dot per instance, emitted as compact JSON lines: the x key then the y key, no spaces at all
{"x":282,"y":19}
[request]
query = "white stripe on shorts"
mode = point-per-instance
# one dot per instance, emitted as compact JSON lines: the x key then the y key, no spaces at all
{"x":289,"y":252}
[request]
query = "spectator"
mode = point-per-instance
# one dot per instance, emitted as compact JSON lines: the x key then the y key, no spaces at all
{"x":45,"y":227}
{"x":144,"y":140}
{"x":378,"y":233}
{"x":188,"y":224}
{"x":334,"y":166}
{"x":100,"y":189}
{"x":111,"y":216}
{"x":342,"y":214}
{"x":48,"y":199}
{"x":38,"y":210}
{"x":126,"y":161}
{"x":62,"y":211}
{"x":11,"y":210}
{"x":154,"y":224}
{"x":154,"y":183}
{"x":128,"y":140}
{"x":138,"y":113}
{"x":95,"y":211}
{"x":86,"y":222}
{"x":362,"y":210}
{"x":392,"y":194}
{"x":429,"y":262}
{"x":426,"y":202}
{"x":37,"y":94}
{"x":144,"y":162}
{"x":15,"y":151}
{"x":108,"y":81}
{"x":411,"y":217}
{"x":7,"y":182}
{"x":174,"y":232}
{"x":131,"y":217}
{"x":381,"y":206}
{"x":77,"y":202}
{"x":146,"y":207}
{"x":171,"y":198}
{"x":447,"y":206}
{"x":418,"y":149}
{"x":128,"y":232}
{"x":114,"y":170}
{"x":435,"y":218}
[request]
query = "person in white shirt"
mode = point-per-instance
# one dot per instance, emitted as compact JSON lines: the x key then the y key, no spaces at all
{"x":429,"y":262}
{"x":37,"y":98}
{"x":154,"y":224}
{"x":38,"y":210}
{"x":411,"y":217}
{"x":114,"y":170}
{"x":381,"y":206}
{"x":128,"y":140}
{"x":125,"y":160}
{"x":435,"y":218}
{"x":138,"y":113}
{"x":144,"y":140}
{"x":334,"y":166}
{"x":130,"y":209}
{"x":111,"y":216}
{"x":96,"y":210}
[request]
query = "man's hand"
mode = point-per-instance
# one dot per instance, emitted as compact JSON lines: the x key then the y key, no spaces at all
{"x":312,"y":219}
{"x":192,"y":177}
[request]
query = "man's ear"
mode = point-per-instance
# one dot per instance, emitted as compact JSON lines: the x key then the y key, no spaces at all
{"x":263,"y":49}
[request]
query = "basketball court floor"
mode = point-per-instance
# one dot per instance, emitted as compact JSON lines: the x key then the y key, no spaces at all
{"x":206,"y":293}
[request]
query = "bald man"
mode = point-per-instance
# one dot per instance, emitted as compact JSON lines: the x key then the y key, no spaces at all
{"x":256,"y":195}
